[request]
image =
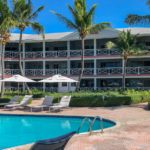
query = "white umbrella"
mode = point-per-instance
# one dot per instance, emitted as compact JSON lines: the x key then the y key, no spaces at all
{"x":17,"y":78}
{"x":57,"y":79}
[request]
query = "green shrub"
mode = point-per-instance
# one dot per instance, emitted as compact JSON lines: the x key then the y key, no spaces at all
{"x":39,"y":95}
{"x":4,"y":100}
{"x":148,"y":105}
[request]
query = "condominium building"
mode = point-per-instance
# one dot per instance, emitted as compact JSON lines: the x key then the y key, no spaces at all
{"x":60,"y":53}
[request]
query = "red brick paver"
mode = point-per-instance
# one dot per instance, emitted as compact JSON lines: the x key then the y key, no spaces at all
{"x":133,"y":133}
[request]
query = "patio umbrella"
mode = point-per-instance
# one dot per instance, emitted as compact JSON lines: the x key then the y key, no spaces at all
{"x":17,"y":78}
{"x":57,"y":79}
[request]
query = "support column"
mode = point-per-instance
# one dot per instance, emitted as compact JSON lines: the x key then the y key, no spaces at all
{"x":43,"y":67}
{"x":43,"y":48}
{"x":95,"y":83}
{"x":95,"y":66}
{"x":68,"y":48}
{"x":24,"y":67}
{"x":94,"y":47}
{"x":68,"y":67}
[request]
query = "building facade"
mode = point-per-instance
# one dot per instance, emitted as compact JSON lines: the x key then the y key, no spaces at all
{"x":60,"y":53}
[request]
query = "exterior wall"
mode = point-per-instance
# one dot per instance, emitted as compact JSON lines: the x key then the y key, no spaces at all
{"x":36,"y":64}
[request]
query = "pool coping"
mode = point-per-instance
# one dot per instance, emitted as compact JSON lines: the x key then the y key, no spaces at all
{"x":116,"y":124}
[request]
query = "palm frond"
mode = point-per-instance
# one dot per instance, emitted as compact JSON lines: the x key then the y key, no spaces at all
{"x":136,"y":19}
{"x":37,"y":28}
{"x":100,"y":26}
{"x":69,"y":24}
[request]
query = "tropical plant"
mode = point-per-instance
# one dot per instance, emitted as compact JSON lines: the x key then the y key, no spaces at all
{"x":23,"y":16}
{"x":127,"y":45}
{"x":132,"y":19}
{"x":4,"y":35}
{"x":83,"y":23}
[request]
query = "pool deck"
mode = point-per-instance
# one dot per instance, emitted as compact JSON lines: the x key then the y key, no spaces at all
{"x":131,"y":133}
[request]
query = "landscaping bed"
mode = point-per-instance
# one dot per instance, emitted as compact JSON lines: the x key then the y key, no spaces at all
{"x":117,"y":97}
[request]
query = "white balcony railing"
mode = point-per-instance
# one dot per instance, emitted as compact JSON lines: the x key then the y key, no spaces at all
{"x":87,"y":71}
{"x":56,"y":71}
{"x":56,"y":53}
{"x":75,"y":53}
{"x":109,"y":71}
{"x":51,"y":89}
{"x":38,"y":88}
{"x":34,"y":72}
{"x":12,"y":71}
{"x":138,"y":70}
{"x":38,"y":54}
{"x":107,"y":52}
{"x":12,"y":54}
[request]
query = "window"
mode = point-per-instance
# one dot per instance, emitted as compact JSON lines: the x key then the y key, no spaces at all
{"x":64,"y":84}
{"x":73,"y":84}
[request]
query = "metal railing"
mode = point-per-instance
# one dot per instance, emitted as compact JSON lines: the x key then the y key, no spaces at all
{"x":90,"y":126}
{"x":12,"y":71}
{"x":109,"y":71}
{"x":138,"y":70}
{"x":10,"y":54}
{"x":56,"y":71}
{"x":38,"y":54}
{"x":107,"y":52}
{"x":34,"y":72}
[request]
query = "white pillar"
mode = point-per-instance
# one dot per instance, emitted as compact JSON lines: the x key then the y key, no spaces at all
{"x":23,"y":87}
{"x":23,"y":44}
{"x":43,"y":67}
{"x":43,"y":48}
{"x":68,"y":67}
{"x":94,"y":47}
{"x":95,"y":83}
{"x":24,"y":67}
{"x":95,"y":66}
{"x":68,"y":48}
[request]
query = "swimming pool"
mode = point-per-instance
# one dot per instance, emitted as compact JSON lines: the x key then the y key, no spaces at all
{"x":18,"y":130}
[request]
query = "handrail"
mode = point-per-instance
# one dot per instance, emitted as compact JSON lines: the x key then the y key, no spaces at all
{"x":82,"y":124}
{"x":100,"y":120}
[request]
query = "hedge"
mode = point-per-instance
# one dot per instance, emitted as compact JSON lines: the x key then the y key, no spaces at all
{"x":149,"y":106}
{"x":39,"y":95}
{"x":108,"y":102}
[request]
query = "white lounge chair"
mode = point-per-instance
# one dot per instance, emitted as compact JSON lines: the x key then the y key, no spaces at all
{"x":64,"y":102}
{"x":23,"y":103}
{"x":46,"y":103}
{"x":12,"y":101}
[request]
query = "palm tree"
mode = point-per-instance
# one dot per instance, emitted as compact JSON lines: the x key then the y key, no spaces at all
{"x":83,"y":23}
{"x":127,"y":45}
{"x":132,"y":19}
{"x":24,"y":16}
{"x":4,"y":35}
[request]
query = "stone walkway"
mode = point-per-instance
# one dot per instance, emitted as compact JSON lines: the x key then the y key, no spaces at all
{"x":133,"y":133}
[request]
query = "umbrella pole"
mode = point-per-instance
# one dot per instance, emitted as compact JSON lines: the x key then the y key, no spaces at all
{"x":18,"y":91}
{"x":58,"y":92}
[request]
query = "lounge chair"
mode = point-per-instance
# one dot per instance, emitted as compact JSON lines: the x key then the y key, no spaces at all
{"x":57,"y":143}
{"x":12,"y":101}
{"x":23,"y":103}
{"x":64,"y":102}
{"x":46,"y":103}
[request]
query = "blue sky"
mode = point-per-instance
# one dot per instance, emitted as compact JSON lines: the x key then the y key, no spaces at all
{"x":113,"y":11}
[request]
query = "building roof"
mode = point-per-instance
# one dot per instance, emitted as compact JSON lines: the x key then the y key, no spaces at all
{"x":110,"y":33}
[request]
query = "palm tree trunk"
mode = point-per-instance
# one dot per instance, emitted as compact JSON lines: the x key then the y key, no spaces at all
{"x":20,"y":65}
{"x":124,"y":75}
{"x":3,"y":71}
{"x":82,"y":66}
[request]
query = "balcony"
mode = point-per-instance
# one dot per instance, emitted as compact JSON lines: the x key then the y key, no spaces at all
{"x":138,"y":70}
{"x":56,"y":71}
{"x":8,"y":88}
{"x":34,"y":54}
{"x":34,"y":72}
{"x":102,"y":52}
{"x":77,"y":53}
{"x":51,"y":89}
{"x":86,"y":88}
{"x":12,"y":71}
{"x":12,"y":54}
{"x":56,"y":53}
{"x":109,"y":71}
{"x":87,"y":71}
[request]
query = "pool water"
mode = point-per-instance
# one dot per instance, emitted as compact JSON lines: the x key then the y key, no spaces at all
{"x":18,"y":130}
